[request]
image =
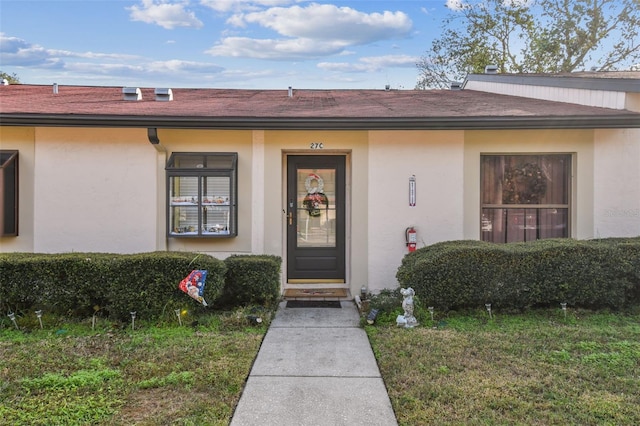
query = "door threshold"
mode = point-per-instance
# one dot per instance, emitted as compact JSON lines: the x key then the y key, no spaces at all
{"x":315,"y":281}
{"x":317,"y":293}
{"x":318,"y":284}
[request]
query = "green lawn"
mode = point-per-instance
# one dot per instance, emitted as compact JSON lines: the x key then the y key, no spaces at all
{"x":460,"y":369}
{"x":516,"y":369}
{"x":163,"y":374}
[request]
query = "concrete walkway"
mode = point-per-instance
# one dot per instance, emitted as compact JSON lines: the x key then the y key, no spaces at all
{"x":315,"y":367}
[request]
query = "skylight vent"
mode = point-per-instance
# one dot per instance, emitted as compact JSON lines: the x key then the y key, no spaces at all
{"x":132,"y":93}
{"x":491,"y":69}
{"x":164,"y":95}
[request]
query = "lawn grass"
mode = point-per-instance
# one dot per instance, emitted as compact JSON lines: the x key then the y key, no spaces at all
{"x":155,"y":374}
{"x":516,"y":369}
{"x":462,"y":368}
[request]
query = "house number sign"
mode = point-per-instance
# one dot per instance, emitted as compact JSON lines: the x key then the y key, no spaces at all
{"x":316,"y":145}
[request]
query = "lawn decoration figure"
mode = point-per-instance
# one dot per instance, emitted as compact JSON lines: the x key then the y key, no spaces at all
{"x":193,"y":285}
{"x":408,"y":320}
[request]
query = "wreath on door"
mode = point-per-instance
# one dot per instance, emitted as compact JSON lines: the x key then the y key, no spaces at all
{"x":315,"y":196}
{"x":523,"y":184}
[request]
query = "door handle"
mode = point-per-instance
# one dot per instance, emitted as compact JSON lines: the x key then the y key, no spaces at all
{"x":290,"y":218}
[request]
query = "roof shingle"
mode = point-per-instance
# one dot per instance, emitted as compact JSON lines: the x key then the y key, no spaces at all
{"x":108,"y":103}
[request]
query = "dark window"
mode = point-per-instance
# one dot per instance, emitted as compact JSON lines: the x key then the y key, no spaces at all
{"x":525,"y":197}
{"x":8,"y":193}
{"x":201,"y":194}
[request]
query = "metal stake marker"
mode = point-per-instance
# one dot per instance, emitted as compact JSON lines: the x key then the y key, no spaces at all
{"x":133,"y":320}
{"x":12,"y":317}
{"x":177,"y":311}
{"x":39,"y":315}
{"x":488,"y":306}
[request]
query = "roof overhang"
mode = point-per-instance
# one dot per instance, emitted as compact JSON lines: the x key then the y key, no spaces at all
{"x":631,"y":85}
{"x":628,"y":120}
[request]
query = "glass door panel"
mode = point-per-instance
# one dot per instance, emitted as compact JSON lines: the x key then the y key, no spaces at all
{"x":316,"y":201}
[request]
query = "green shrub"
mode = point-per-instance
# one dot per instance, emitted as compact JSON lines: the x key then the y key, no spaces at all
{"x":148,"y":283}
{"x":78,"y":284}
{"x":463,"y":274}
{"x":252,"y":280}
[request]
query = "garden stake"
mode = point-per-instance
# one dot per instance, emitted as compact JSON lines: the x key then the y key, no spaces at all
{"x":177,"y":311}
{"x":564,"y":309}
{"x":39,"y":315}
{"x":431,"y":311}
{"x":93,"y":322}
{"x":488,"y":306}
{"x":12,"y":317}
{"x":133,"y":320}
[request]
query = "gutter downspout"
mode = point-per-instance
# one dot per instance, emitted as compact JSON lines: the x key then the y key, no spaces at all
{"x":162,"y":242}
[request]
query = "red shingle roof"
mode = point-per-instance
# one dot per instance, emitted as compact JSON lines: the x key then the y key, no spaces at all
{"x":43,"y":107}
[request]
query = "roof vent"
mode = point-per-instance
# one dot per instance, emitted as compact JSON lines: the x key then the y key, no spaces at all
{"x":290,"y":92}
{"x":132,"y":93}
{"x":491,"y":69}
{"x":55,"y":88}
{"x":164,"y":94}
{"x":455,"y":85}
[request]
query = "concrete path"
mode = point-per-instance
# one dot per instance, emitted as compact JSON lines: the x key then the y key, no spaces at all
{"x":315,"y":367}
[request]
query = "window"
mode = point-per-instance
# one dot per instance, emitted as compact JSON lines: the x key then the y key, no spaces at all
{"x":525,"y":197}
{"x":8,"y":193}
{"x":202,"y":196}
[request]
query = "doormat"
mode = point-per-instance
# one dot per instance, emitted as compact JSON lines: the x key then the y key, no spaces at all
{"x":313,"y":304}
{"x":316,"y":292}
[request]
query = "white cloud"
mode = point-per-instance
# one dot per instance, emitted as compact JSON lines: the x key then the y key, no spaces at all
{"x":165,"y":14}
{"x":91,"y":55}
{"x":311,"y":32}
{"x":329,"y":22}
{"x":243,"y":5}
{"x":19,"y":53}
{"x":455,"y":4}
{"x":281,"y":49}
{"x":371,"y":63}
{"x":175,"y":65}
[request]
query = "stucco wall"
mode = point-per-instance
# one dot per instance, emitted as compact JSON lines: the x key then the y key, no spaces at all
{"x":95,"y":190}
{"x":105,"y":189}
{"x":617,"y":183}
{"x":23,"y":140}
{"x":435,"y":158}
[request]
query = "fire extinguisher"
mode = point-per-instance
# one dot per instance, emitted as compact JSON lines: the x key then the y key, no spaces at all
{"x":411,"y":237}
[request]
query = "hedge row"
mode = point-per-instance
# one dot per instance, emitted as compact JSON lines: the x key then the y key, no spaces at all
{"x":80,"y":284}
{"x":464,"y":274}
{"x":252,"y":280}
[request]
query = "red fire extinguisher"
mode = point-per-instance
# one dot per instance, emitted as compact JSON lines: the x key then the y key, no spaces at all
{"x":412,"y":238}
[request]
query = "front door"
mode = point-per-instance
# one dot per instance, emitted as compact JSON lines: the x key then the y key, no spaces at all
{"x":315,"y":218}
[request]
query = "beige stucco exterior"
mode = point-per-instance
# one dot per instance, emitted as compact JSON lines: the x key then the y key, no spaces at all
{"x":616,"y":196}
{"x":87,"y":189}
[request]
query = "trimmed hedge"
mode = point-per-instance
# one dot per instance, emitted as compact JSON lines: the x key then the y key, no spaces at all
{"x":464,"y":274}
{"x":79,"y":284}
{"x":252,"y":280}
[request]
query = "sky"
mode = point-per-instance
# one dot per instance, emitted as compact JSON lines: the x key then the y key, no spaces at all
{"x":243,"y":44}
